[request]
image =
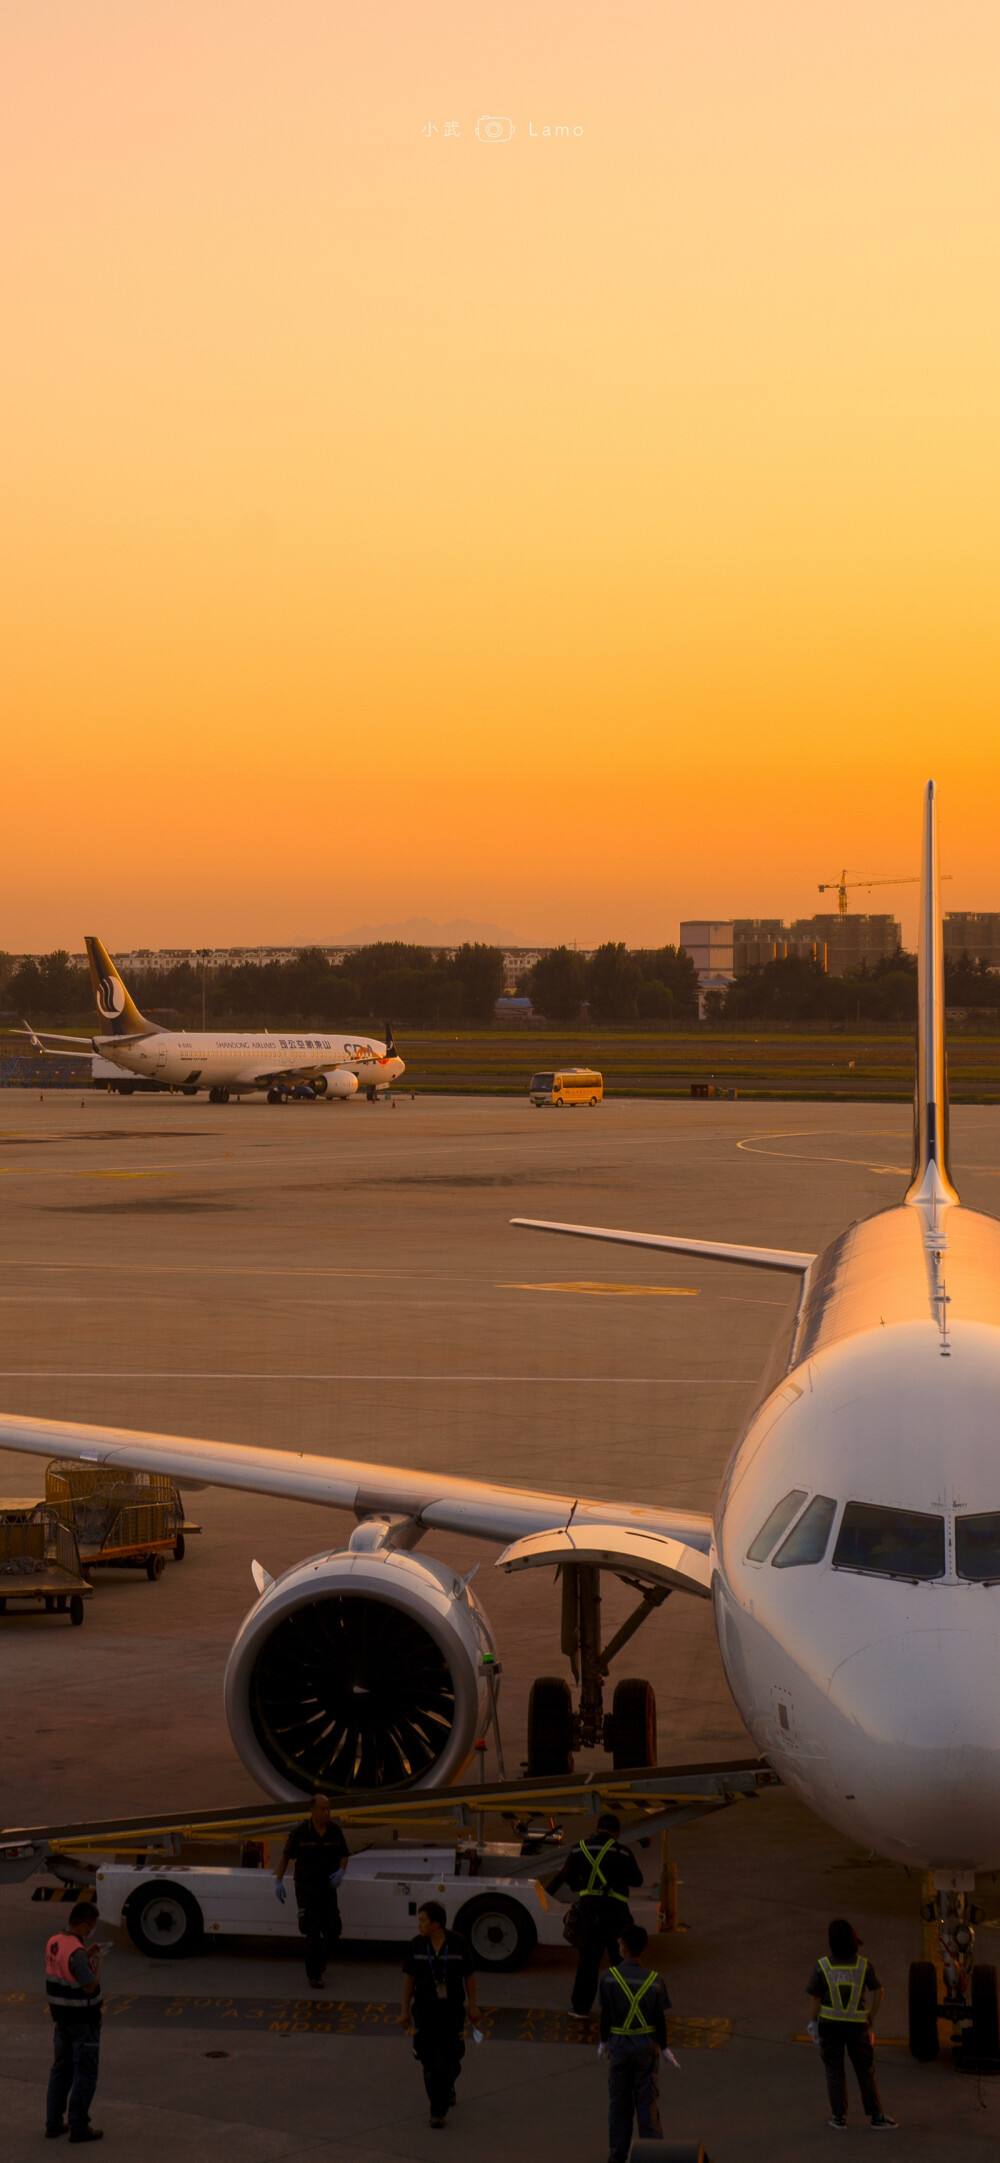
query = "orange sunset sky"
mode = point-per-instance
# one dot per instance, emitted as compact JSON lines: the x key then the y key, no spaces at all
{"x":570,"y":532}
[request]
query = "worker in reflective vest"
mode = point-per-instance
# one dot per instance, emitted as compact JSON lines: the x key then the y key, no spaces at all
{"x":633,"y":2035}
{"x":601,"y":1874}
{"x":73,"y":1989}
{"x":842,"y":2023}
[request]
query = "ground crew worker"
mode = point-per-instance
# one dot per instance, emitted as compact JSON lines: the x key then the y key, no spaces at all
{"x":633,"y":2034}
{"x":73,"y":1989}
{"x":840,"y":2022}
{"x":320,"y":1854}
{"x":440,"y":1981}
{"x":600,"y":1872}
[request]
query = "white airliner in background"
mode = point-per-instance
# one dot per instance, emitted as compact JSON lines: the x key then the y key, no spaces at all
{"x":225,"y":1063}
{"x":853,"y":1559}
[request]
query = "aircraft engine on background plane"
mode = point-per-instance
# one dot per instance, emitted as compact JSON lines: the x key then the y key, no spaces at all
{"x":341,"y":1083}
{"x":360,"y":1668}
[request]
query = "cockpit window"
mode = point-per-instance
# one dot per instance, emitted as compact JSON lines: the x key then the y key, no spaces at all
{"x":977,"y":1546}
{"x":808,"y":1540}
{"x":890,"y":1543}
{"x":773,"y":1526}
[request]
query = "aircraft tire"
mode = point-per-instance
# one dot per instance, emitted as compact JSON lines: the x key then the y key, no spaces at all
{"x":633,"y":1724}
{"x":550,"y":1727}
{"x":923,"y":2007}
{"x":985,"y":2011}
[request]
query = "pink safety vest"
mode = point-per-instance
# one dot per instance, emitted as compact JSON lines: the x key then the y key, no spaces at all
{"x":61,"y":1987}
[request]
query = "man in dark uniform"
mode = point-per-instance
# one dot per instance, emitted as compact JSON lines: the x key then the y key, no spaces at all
{"x":73,"y":1989}
{"x":633,"y":2033}
{"x":601,"y":1873}
{"x":319,"y":1852}
{"x":440,"y":1977}
{"x":841,"y":2022}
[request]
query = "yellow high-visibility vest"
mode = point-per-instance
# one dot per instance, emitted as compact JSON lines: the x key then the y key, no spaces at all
{"x":635,"y":2022}
{"x":845,"y":1978}
{"x":597,"y":1887}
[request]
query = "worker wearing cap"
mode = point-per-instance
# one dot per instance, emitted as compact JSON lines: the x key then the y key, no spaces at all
{"x":842,"y":2023}
{"x":73,"y":1990}
{"x":320,"y":1854}
{"x":633,"y":2003}
{"x":601,"y":1873}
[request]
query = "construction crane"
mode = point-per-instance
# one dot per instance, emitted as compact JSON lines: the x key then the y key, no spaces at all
{"x":841,"y":885}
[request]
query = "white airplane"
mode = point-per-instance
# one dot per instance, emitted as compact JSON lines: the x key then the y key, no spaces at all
{"x":225,"y":1063}
{"x":853,"y":1559}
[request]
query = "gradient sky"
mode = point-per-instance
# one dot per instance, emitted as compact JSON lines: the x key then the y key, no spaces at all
{"x":576,"y":532}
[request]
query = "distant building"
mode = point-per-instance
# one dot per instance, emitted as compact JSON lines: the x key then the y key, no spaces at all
{"x":514,"y":1013}
{"x":758,"y":940}
{"x":710,"y":946}
{"x":838,"y":943}
{"x":975,"y":932}
{"x":841,"y":943}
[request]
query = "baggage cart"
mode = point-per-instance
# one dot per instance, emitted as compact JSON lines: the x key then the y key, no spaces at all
{"x":121,"y":1519}
{"x":39,"y":1560}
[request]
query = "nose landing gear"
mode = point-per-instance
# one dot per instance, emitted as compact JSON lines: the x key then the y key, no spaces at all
{"x":954,"y":1988}
{"x":629,"y":1730}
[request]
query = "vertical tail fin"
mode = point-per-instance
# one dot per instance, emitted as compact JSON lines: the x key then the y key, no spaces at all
{"x":119,"y":1015}
{"x":931,"y":1180}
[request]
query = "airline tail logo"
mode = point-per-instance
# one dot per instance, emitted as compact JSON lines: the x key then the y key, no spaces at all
{"x":119,"y":1016}
{"x":110,"y":995}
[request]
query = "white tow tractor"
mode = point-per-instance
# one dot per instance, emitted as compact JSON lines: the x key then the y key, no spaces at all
{"x":154,"y":1877}
{"x":169,"y":1911}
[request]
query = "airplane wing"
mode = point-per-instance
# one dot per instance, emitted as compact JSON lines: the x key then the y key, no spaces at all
{"x":712,"y":1250}
{"x":436,"y":1501}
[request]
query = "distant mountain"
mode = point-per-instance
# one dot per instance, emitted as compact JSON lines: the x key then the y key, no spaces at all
{"x":420,"y":931}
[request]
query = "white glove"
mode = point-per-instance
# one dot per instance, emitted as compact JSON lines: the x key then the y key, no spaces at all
{"x":279,"y":1891}
{"x":477,"y":2035}
{"x":337,"y":1879}
{"x":601,"y":2048}
{"x":669,"y":2059}
{"x":812,"y":2029}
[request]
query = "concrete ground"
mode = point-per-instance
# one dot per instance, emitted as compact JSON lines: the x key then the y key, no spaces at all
{"x":342,"y":1279}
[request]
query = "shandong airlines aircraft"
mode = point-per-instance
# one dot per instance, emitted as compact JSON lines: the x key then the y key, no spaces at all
{"x":227,"y":1064}
{"x":853,"y":1559}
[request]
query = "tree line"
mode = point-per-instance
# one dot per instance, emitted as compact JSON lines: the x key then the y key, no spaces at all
{"x":792,"y":989}
{"x":408,"y":985}
{"x":416,"y":987}
{"x":655,"y":985}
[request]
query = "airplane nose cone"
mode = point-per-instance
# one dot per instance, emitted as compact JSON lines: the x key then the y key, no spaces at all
{"x":924,"y":1711}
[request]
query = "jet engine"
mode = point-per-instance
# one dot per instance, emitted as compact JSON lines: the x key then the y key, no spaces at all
{"x":361,"y":1668}
{"x":341,"y":1083}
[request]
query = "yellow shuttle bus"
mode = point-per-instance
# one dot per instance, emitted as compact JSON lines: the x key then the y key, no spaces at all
{"x":575,"y":1085}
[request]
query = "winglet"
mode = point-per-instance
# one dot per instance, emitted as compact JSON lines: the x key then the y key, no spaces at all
{"x":931,"y":1181}
{"x":390,"y":1048}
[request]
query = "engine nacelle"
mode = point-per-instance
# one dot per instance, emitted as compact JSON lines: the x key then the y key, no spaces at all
{"x":359,"y":1670}
{"x":341,"y":1083}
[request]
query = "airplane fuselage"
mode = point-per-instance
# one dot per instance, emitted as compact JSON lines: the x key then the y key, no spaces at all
{"x":195,"y":1059}
{"x":870,"y":1675}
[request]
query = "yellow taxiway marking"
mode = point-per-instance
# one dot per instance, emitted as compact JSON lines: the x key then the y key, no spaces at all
{"x":616,"y":1291}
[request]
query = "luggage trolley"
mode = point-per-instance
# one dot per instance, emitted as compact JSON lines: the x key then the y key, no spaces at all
{"x":40,"y":1560}
{"x":121,"y":1519}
